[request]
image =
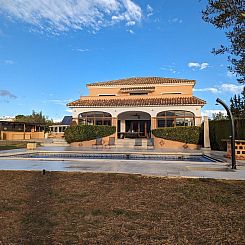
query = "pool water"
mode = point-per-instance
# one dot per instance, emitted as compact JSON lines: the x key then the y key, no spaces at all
{"x":117,"y":156}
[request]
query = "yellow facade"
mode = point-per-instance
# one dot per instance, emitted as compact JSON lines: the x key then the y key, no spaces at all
{"x":159,"y":90}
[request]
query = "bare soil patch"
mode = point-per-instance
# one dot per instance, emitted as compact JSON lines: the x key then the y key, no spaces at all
{"x":87,"y":208}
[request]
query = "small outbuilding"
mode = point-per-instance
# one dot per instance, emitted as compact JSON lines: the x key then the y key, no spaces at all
{"x":10,"y":130}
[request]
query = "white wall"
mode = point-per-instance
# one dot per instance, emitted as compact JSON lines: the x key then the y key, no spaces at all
{"x":153,"y":111}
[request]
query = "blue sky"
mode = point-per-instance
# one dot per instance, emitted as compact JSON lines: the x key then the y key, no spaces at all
{"x":50,"y":49}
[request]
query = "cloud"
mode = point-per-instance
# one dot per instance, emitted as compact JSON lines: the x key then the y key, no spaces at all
{"x":69,"y":110}
{"x":149,"y":10}
{"x":57,"y":16}
{"x":131,"y":15}
{"x":211,"y":90}
{"x":230,"y":74}
{"x":9,"y":62}
{"x":210,"y":113}
{"x":7,"y":118}
{"x":235,"y":89}
{"x":199,"y":66}
{"x":171,"y":68}
{"x":130,"y":31}
{"x":130,"y":23}
{"x":81,"y":50}
{"x":191,"y":64}
{"x":225,"y":87}
{"x":61,"y":102}
{"x":57,"y":120}
{"x":175,"y":21}
{"x":8,"y":94}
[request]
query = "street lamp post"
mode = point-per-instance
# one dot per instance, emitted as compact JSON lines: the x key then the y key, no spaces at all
{"x":233,"y":154}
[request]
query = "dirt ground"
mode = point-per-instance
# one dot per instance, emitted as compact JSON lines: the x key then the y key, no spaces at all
{"x":87,"y":208}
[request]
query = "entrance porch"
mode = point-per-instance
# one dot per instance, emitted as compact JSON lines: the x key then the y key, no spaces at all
{"x":136,"y":124}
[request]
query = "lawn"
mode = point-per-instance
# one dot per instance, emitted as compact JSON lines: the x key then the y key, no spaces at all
{"x":11,"y":147}
{"x":87,"y":208}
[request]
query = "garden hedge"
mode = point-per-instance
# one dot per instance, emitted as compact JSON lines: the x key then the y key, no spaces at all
{"x":190,"y":135}
{"x":87,"y":132}
{"x":220,"y":129}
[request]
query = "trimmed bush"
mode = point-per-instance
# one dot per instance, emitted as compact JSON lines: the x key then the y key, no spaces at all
{"x":189,"y":135}
{"x":87,"y":132}
{"x":220,"y":129}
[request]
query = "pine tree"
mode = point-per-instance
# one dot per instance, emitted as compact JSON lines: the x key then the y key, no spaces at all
{"x":229,"y":15}
{"x":237,"y":105}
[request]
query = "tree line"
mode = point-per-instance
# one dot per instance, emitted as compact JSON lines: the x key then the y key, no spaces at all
{"x":35,"y":117}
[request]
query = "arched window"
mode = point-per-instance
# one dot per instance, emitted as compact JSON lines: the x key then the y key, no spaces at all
{"x":95,"y":118}
{"x":175,"y":119}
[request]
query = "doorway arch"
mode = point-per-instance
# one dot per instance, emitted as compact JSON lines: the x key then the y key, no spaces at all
{"x":134,"y":124}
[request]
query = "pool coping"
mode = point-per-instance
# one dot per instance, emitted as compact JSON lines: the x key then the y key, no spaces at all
{"x":14,"y":155}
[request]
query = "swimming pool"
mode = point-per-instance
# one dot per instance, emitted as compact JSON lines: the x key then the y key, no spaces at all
{"x":116,"y":156}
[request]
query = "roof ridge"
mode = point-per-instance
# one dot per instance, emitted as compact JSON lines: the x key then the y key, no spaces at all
{"x":140,"y":80}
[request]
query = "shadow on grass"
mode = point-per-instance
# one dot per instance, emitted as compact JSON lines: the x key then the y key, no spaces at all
{"x":36,"y":224}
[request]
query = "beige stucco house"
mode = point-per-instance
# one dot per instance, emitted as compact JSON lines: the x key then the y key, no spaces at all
{"x":138,"y":105}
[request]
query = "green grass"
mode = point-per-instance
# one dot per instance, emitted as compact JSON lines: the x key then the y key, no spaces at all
{"x":11,"y":147}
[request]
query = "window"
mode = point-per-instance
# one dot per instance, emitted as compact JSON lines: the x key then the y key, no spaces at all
{"x":95,"y":118}
{"x":138,"y":93}
{"x":171,"y":93}
{"x":175,"y":119}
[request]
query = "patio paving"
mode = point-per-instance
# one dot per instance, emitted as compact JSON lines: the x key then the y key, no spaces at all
{"x":217,"y":170}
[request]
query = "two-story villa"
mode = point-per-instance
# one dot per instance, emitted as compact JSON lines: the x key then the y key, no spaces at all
{"x":139,"y":104}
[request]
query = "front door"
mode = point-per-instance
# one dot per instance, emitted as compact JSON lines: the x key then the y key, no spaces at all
{"x":142,"y":127}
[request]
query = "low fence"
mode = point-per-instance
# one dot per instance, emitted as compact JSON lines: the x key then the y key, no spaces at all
{"x":12,"y":135}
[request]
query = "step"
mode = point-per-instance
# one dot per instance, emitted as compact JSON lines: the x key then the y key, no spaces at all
{"x":55,"y":142}
{"x":130,"y":143}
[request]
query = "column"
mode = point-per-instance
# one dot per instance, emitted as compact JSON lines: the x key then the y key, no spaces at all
{"x":206,"y":133}
{"x":123,"y":127}
{"x":24,"y":131}
{"x":114,"y":123}
{"x":198,"y":121}
{"x":75,"y":121}
{"x":153,"y":123}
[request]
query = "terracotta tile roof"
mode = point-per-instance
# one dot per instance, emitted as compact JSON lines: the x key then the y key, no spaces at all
{"x":136,"y":102}
{"x":141,"y":80}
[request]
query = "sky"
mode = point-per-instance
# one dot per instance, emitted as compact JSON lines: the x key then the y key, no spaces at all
{"x":50,"y":50}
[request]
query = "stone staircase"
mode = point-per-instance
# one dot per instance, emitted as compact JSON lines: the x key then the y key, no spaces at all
{"x":130,"y":143}
{"x":55,"y":142}
{"x":120,"y":143}
{"x":60,"y":142}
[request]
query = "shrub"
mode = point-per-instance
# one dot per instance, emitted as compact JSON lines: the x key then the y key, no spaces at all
{"x":190,"y":135}
{"x":220,"y":129}
{"x":87,"y":132}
